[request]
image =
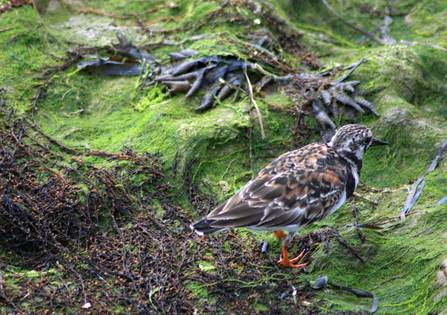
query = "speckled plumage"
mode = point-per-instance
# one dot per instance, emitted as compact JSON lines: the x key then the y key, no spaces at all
{"x":296,"y":189}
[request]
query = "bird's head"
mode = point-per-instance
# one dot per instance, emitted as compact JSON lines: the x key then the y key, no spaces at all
{"x":352,"y":141}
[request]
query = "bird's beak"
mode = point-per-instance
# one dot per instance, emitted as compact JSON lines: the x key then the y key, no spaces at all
{"x":376,"y":142}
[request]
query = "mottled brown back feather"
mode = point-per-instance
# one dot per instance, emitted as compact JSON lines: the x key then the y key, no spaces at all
{"x":272,"y":200}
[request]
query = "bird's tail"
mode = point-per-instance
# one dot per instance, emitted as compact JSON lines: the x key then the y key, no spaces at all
{"x":203,"y":227}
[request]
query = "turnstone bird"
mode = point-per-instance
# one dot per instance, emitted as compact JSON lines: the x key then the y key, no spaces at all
{"x":298,"y":188}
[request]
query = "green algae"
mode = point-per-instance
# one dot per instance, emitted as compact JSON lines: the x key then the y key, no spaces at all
{"x":398,"y":269}
{"x":407,"y":85}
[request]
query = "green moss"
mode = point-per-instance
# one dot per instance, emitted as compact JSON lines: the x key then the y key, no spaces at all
{"x":396,"y":253}
{"x":401,"y":159}
{"x":198,"y":11}
{"x":426,"y":20}
{"x":406,"y":84}
{"x":25,"y":48}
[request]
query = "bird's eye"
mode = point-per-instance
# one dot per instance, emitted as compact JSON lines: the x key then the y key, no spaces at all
{"x":367,"y":140}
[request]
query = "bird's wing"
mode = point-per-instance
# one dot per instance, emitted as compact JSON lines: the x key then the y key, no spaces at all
{"x":298,"y":188}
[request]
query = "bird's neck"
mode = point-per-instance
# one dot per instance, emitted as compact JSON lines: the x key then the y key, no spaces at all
{"x":352,"y":159}
{"x":355,"y":166}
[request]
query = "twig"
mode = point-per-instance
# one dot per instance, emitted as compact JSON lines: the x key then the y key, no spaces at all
{"x":141,"y":23}
{"x":437,"y":47}
{"x":345,"y":244}
{"x":370,"y":36}
{"x":250,"y":94}
{"x":352,"y":69}
{"x":235,"y":40}
{"x":367,"y":199}
{"x":356,"y":225}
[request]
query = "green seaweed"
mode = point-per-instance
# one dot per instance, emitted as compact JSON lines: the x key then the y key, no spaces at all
{"x":406,"y":84}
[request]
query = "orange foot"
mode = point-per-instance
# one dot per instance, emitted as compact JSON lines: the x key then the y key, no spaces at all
{"x":290,"y":263}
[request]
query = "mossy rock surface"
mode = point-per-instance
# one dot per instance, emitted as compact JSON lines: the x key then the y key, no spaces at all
{"x":404,"y":260}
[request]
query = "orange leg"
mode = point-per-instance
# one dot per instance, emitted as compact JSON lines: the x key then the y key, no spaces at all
{"x":280,"y":234}
{"x":290,"y":263}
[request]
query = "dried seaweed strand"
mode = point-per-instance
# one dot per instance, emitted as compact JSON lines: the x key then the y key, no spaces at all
{"x":440,"y":202}
{"x":370,"y":36}
{"x":412,"y":197}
